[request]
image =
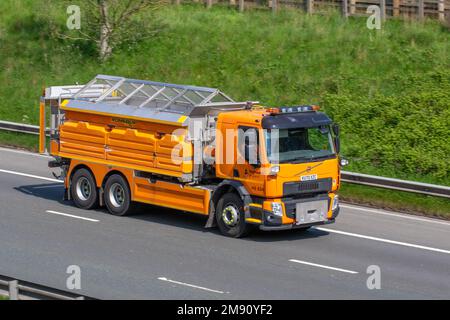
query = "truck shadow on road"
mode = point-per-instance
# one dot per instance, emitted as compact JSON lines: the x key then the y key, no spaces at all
{"x":187,"y":220}
{"x":54,"y":192}
{"x":47,"y":191}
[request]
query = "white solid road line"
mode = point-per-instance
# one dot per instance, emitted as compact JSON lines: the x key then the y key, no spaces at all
{"x":323,"y":266}
{"x":387,"y":213}
{"x":405,"y":244}
{"x":30,"y":176}
{"x":190,"y":285}
{"x":71,"y":216}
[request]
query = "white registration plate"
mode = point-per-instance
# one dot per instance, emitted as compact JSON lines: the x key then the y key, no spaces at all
{"x":310,"y":177}
{"x":311,"y":211}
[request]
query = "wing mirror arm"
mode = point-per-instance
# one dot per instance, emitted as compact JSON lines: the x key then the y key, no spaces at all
{"x":337,"y":140}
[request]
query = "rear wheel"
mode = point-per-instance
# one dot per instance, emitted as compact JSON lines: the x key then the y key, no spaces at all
{"x":230,"y":216}
{"x":84,"y":190}
{"x":118,"y":196}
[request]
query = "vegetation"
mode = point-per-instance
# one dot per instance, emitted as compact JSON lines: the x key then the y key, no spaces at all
{"x":18,"y":140}
{"x":396,"y":200}
{"x":389,"y":89}
{"x":108,"y":23}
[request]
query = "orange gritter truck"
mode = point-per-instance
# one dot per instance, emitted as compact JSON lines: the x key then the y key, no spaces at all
{"x":121,"y":141}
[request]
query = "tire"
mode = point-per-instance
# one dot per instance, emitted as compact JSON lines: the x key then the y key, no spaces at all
{"x":118,"y":196}
{"x":83,"y":189}
{"x":230,"y":216}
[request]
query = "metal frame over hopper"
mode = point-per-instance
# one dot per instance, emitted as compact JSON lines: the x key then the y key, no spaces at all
{"x":146,"y":100}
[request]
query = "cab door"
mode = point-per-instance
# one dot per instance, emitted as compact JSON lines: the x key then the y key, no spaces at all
{"x":248,"y":168}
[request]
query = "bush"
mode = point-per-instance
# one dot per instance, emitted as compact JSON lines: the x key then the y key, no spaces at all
{"x":406,"y":134}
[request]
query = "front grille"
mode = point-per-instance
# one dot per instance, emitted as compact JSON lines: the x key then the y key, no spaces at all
{"x":308,"y":186}
{"x":321,"y":185}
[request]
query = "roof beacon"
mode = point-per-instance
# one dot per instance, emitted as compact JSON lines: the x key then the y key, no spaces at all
{"x":294,"y":109}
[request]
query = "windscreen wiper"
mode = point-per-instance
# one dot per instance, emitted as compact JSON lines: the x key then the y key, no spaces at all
{"x":304,"y":159}
{"x":322,"y":157}
{"x":299,"y":160}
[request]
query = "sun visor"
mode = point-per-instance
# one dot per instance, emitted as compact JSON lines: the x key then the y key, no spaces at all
{"x":296,"y":120}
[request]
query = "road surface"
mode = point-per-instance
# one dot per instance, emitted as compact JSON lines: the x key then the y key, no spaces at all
{"x":166,"y":254}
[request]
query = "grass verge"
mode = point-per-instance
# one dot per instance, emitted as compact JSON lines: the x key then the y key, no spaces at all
{"x":396,"y":200}
{"x":19,"y":140}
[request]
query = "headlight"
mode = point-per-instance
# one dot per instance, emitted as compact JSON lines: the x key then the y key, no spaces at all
{"x":277,"y":209}
{"x":335,"y":203}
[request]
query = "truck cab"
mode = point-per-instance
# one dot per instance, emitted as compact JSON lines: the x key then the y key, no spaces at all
{"x":286,"y":159}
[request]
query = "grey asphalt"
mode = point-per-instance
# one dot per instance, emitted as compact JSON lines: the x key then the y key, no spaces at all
{"x":124,"y":257}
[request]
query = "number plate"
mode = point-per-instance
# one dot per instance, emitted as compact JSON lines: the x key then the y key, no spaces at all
{"x":311,"y":177}
{"x":311,"y":212}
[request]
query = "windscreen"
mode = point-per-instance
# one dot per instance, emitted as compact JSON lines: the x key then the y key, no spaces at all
{"x":299,"y":144}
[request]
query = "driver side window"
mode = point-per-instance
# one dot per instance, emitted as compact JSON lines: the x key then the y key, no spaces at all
{"x":248,"y":145}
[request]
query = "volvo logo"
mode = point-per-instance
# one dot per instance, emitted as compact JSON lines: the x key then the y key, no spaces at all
{"x":309,"y":168}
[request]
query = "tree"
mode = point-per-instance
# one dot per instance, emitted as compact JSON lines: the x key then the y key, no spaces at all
{"x":110,"y":23}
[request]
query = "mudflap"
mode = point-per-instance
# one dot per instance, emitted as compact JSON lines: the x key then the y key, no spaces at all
{"x":66,"y":196}
{"x":211,"y":222}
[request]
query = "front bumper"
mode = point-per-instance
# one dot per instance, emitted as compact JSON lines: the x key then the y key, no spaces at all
{"x":268,"y":221}
{"x":295,"y":226}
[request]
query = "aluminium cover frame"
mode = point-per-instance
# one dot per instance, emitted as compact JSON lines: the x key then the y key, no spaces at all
{"x":149,"y":99}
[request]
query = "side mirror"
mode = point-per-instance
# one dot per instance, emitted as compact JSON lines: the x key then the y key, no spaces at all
{"x":248,"y":152}
{"x":337,"y":144}
{"x":337,"y":140}
{"x":336,"y":129}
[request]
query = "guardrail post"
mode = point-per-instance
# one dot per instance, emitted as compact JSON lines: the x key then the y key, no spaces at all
{"x":441,"y":10}
{"x":383,"y":9}
{"x":421,"y":10}
{"x":309,"y":6}
{"x":345,"y":8}
{"x":396,"y":8}
{"x":352,"y":7}
{"x":274,"y":5}
{"x":241,"y":5}
{"x":13,"y":290}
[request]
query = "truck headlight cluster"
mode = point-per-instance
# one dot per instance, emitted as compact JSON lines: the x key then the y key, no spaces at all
{"x":335,"y":203}
{"x":277,"y":209}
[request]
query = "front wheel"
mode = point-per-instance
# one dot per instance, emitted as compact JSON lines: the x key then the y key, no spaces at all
{"x":118,"y":196}
{"x":230,"y":216}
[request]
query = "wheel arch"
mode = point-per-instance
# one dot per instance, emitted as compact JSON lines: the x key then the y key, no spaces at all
{"x":113,"y":172}
{"x":78,"y":167}
{"x":230,"y":186}
{"x":224,"y":187}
